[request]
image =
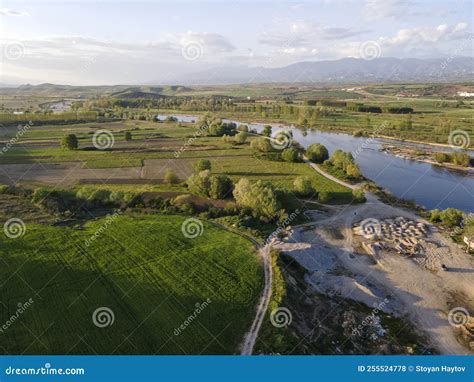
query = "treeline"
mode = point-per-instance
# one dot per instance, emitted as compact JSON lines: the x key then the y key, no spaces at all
{"x":50,"y":118}
{"x":378,"y":109}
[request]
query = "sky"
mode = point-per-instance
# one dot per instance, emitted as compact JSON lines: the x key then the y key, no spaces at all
{"x":145,"y":42}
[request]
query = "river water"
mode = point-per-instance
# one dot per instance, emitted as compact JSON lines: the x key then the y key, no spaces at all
{"x":429,"y":186}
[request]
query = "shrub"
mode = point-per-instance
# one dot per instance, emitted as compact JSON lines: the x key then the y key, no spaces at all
{"x":240,"y":138}
{"x":317,"y":153}
{"x":220,"y":187}
{"x":69,"y":142}
{"x":184,"y":204}
{"x":289,"y":155}
{"x":3,"y":189}
{"x":170,"y":177}
{"x":261,"y":144}
{"x":202,"y":165}
{"x":441,"y":157}
{"x":353,"y":171}
{"x":259,"y":197}
{"x":56,"y":201}
{"x":243,"y":128}
{"x":128,"y":136}
{"x":358,"y":195}
{"x":325,"y":197}
{"x":461,"y":159}
{"x":200,"y":183}
{"x":267,"y":130}
{"x":303,"y":186}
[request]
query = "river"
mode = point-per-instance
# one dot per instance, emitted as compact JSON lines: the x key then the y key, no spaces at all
{"x":429,"y":186}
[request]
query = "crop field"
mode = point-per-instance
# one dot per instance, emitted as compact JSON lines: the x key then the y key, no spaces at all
{"x":143,"y":270}
{"x":146,"y":157}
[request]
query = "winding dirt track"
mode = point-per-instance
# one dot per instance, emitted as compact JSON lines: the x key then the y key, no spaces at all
{"x":252,"y":335}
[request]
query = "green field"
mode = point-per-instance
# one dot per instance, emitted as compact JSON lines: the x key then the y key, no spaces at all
{"x":145,"y":271}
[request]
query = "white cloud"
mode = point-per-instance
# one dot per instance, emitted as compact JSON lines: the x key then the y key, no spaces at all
{"x":11,"y":12}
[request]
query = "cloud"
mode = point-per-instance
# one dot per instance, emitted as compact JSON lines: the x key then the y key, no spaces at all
{"x":381,"y":9}
{"x":11,"y":12}
{"x":306,"y":34}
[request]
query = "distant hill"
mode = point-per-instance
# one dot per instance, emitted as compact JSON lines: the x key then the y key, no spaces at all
{"x":118,"y":91}
{"x":346,"y":70}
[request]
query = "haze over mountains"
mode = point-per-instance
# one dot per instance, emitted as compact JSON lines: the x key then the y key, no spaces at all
{"x":346,"y":70}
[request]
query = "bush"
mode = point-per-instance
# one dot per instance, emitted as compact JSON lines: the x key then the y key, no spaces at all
{"x":317,"y":153}
{"x":69,"y":142}
{"x":461,"y":159}
{"x":289,"y":155}
{"x":261,"y":144}
{"x":56,"y":201}
{"x":450,"y":217}
{"x":3,"y":189}
{"x":200,"y":183}
{"x":302,"y":186}
{"x":220,"y":187}
{"x":240,"y":138}
{"x":441,"y":157}
{"x":170,"y":177}
{"x":259,"y":197}
{"x":184,"y":204}
{"x":325,"y":197}
{"x":243,"y":128}
{"x":267,"y":130}
{"x":202,"y":165}
{"x":128,"y":136}
{"x":358,"y":195}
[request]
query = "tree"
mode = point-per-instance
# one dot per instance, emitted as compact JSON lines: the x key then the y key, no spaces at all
{"x":220,"y":186}
{"x":241,"y":137}
{"x":267,"y":130}
{"x":303,"y":186}
{"x":353,"y":171}
{"x":317,"y":153}
{"x":260,"y":197}
{"x":243,"y":128}
{"x":261,"y":144}
{"x":128,"y":136}
{"x":200,"y":183}
{"x":289,"y":155}
{"x":358,"y":195}
{"x":202,"y":165}
{"x":170,"y":177}
{"x":69,"y":142}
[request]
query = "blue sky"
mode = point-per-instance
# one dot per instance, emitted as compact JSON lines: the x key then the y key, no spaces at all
{"x":105,"y":42}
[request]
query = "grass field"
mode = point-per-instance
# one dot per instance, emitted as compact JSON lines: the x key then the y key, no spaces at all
{"x":145,"y":271}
